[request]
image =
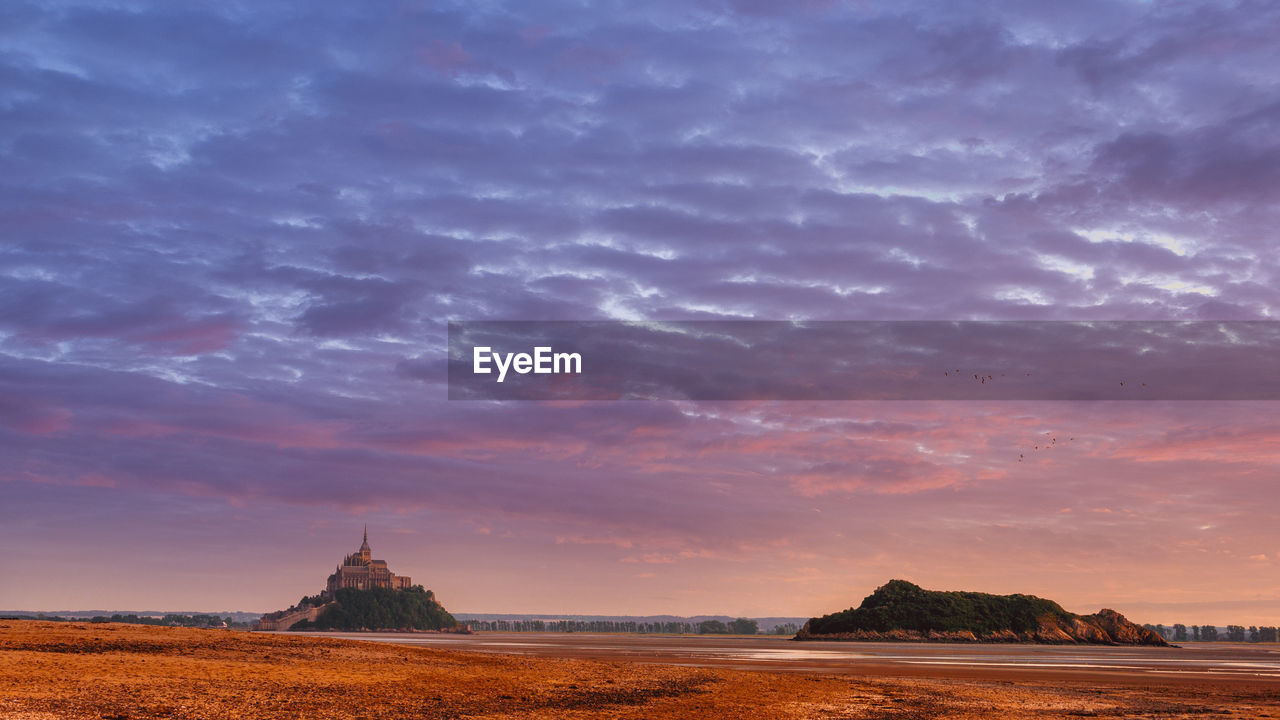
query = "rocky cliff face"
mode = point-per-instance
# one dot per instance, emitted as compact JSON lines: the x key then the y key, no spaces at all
{"x":902,"y":612}
{"x":1122,"y":632}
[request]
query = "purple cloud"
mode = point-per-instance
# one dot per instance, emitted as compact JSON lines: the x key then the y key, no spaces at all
{"x":233,"y":240}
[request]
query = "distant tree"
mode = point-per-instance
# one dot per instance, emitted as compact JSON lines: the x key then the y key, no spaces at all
{"x":1235,"y":633}
{"x":744,"y":626}
{"x":1195,"y":632}
{"x":712,"y":627}
{"x":1179,"y":632}
{"x":1268,"y":634}
{"x":1163,"y":631}
{"x":1208,"y":633}
{"x":1253,"y":633}
{"x":786,"y":629}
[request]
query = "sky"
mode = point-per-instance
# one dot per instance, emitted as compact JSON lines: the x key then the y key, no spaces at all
{"x":232,"y":237}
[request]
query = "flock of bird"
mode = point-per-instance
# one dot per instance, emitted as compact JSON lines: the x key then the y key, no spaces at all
{"x":1052,"y":439}
{"x":1053,"y":442}
{"x":981,"y":378}
{"x":984,"y":378}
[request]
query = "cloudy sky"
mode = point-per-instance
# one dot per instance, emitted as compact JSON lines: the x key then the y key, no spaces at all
{"x":232,"y":238}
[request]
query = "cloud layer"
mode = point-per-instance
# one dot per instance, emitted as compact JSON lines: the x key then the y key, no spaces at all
{"x":233,"y":238}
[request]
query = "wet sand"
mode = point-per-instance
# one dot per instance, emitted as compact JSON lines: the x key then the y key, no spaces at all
{"x":1199,"y":661}
{"x":76,"y":671}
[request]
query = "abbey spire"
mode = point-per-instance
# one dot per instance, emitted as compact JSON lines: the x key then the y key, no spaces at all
{"x":359,"y":570}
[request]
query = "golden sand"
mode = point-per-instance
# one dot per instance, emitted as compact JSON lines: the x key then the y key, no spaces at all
{"x":74,"y":670}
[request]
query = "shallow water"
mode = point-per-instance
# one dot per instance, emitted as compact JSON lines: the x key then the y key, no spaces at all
{"x":1237,"y":660}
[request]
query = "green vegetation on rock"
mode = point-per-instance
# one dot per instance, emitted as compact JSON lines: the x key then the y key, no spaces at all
{"x":899,"y":605}
{"x":903,"y":611}
{"x":382,"y":609}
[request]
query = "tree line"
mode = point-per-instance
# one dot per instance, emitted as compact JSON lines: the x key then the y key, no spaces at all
{"x":1209,"y":633}
{"x":199,"y":620}
{"x":739,"y":626}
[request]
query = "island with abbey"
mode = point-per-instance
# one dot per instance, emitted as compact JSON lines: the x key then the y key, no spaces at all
{"x":363,"y":594}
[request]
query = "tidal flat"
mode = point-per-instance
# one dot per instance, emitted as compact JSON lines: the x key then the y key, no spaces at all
{"x":118,"y":672}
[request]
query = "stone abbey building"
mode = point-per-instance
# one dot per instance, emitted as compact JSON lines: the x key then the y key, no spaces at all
{"x":360,"y":571}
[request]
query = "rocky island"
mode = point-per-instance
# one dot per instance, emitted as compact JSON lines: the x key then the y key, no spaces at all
{"x":900,"y":611}
{"x":363,"y":594}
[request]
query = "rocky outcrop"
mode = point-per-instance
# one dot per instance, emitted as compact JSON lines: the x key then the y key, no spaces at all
{"x":1120,"y":631}
{"x":900,"y":611}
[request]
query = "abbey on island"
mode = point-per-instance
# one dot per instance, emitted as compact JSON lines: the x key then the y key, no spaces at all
{"x":360,"y":571}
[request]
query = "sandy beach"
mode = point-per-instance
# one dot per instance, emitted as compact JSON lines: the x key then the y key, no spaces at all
{"x":72,"y":670}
